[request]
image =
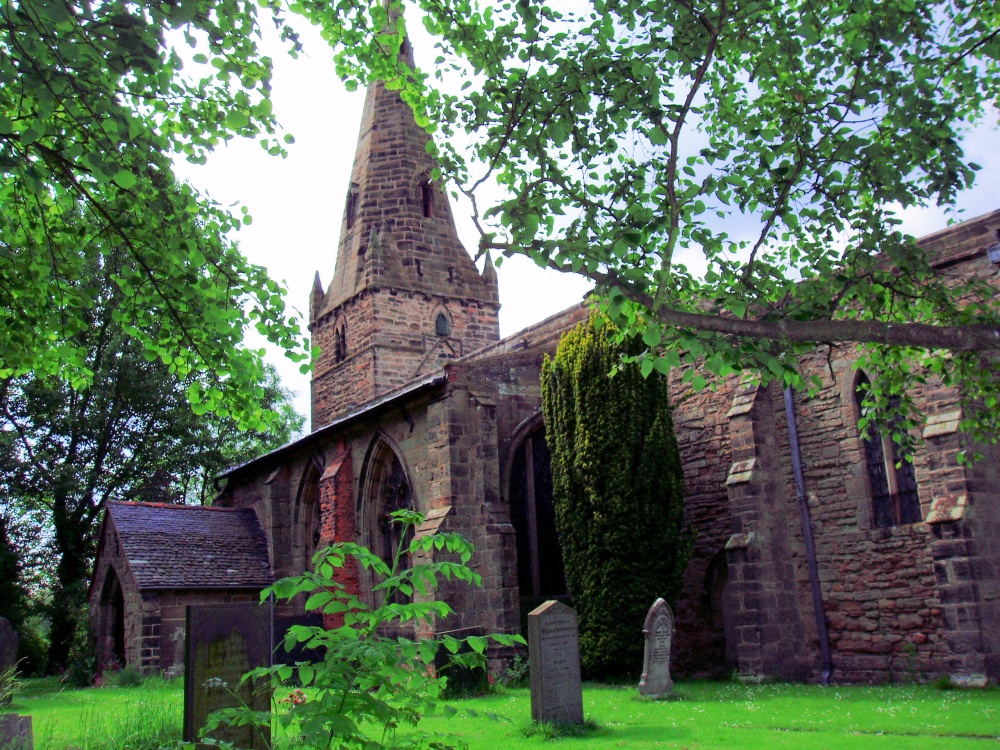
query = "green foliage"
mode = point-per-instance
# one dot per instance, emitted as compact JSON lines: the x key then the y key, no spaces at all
{"x":13,"y":599}
{"x":128,"y":434}
{"x":728,"y":173}
{"x":127,"y":676}
{"x":517,"y":673}
{"x":81,"y":661}
{"x":615,"y":469}
{"x":9,"y":685}
{"x":94,"y":107}
{"x":370,"y":690}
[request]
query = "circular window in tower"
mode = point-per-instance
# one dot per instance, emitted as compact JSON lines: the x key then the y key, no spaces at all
{"x":442,"y":326}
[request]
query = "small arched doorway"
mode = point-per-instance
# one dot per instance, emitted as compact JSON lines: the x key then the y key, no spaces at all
{"x":113,"y":626}
{"x":540,"y":571}
{"x":718,"y":601}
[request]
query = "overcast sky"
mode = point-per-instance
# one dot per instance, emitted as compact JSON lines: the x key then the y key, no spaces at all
{"x":297,"y":202}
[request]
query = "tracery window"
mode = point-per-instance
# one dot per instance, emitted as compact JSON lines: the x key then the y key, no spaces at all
{"x":895,"y":499}
{"x":387,"y":490}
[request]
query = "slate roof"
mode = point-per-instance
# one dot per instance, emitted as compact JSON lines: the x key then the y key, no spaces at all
{"x":191,"y":546}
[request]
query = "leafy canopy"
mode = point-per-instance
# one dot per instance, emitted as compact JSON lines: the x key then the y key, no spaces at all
{"x":727,"y":171}
{"x":94,"y":106}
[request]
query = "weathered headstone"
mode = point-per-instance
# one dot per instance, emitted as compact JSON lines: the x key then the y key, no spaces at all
{"x":223,"y":641}
{"x":15,"y":732}
{"x":8,"y":645}
{"x":659,"y":632}
{"x":554,"y":654}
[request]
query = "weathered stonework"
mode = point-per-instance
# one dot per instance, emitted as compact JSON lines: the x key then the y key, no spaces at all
{"x":417,"y":401}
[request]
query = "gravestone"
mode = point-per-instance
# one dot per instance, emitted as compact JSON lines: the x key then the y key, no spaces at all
{"x":554,"y":654}
{"x":223,"y":641}
{"x":659,"y":632}
{"x":15,"y":732}
{"x":8,"y":645}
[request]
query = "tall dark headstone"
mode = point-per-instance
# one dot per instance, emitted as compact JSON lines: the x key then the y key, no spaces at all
{"x":659,"y":633}
{"x":224,"y":641}
{"x":8,"y":645}
{"x":554,"y":654}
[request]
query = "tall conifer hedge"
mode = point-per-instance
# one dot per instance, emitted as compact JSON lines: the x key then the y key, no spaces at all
{"x":618,"y":489}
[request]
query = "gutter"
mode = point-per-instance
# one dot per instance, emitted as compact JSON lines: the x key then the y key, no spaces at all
{"x":807,"y":533}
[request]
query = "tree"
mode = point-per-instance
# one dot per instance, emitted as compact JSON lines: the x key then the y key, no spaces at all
{"x":93,"y":108}
{"x":616,"y":468}
{"x":128,"y":434}
{"x":13,"y":600}
{"x":769,"y":141}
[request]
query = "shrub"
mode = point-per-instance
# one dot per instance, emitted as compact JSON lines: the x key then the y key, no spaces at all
{"x":128,"y":676}
{"x":615,"y":469}
{"x":368,"y":690}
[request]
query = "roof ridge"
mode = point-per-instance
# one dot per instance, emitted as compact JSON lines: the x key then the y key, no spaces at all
{"x":173,"y":506}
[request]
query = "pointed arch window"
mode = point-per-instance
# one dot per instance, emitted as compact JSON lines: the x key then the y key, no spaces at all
{"x":387,"y":489}
{"x":540,"y":572}
{"x":442,"y":326}
{"x":340,"y":343}
{"x":895,"y":499}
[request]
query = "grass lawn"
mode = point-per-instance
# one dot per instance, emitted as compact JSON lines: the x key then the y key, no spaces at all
{"x":705,"y":715}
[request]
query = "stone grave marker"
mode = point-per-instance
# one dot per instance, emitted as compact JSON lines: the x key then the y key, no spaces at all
{"x":554,"y":654}
{"x":659,"y":632}
{"x":223,"y":641}
{"x":8,"y":645}
{"x":15,"y":732}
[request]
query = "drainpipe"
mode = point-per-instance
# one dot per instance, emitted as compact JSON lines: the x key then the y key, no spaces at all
{"x":807,"y":533}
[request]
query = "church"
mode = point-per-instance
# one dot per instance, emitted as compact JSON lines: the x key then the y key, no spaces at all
{"x":816,"y":557}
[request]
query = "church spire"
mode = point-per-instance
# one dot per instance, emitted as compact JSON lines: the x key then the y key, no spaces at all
{"x":405,"y":297}
{"x":392,"y":195}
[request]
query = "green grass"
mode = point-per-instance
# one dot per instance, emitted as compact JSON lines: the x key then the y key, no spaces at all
{"x":128,"y":718}
{"x":704,"y":716}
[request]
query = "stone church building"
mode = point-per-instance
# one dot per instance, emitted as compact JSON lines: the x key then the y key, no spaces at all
{"x":417,"y":403}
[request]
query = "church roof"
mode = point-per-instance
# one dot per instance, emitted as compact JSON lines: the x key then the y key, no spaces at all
{"x":191,"y":546}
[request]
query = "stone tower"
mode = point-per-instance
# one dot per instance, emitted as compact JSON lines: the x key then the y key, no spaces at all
{"x":405,"y":295}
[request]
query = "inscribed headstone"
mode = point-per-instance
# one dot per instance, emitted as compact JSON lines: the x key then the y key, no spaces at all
{"x":554,"y":652}
{"x":15,"y":732}
{"x":8,"y":645}
{"x":659,"y":632}
{"x":223,"y":641}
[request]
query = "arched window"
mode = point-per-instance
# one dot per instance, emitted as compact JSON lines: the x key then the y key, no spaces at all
{"x":442,"y":326}
{"x":352,"y":205}
{"x":894,"y":489}
{"x":340,"y":343}
{"x":387,"y":489}
{"x":427,"y":198}
{"x":540,"y":572}
{"x":306,"y":524}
